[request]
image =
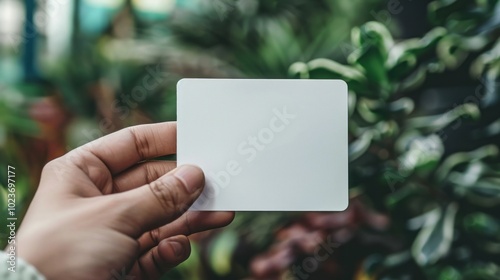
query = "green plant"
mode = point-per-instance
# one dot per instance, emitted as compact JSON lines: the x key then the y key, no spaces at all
{"x":444,"y":203}
{"x":15,"y":128}
{"x":260,"y":38}
{"x":432,"y":169}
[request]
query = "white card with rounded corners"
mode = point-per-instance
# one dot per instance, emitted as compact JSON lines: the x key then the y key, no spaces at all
{"x":265,"y":145}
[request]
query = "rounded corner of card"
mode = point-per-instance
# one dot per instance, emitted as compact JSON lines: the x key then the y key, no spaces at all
{"x":343,"y":85}
{"x":181,"y":84}
{"x":344,"y":205}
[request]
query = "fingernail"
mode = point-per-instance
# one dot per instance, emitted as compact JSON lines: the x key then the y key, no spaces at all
{"x":177,"y":248}
{"x":191,"y":176}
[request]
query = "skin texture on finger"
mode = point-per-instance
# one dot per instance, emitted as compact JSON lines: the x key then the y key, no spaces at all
{"x":160,"y":202}
{"x":141,"y":174}
{"x":160,"y":259}
{"x":189,"y":223}
{"x":124,"y":148}
{"x":85,"y":173}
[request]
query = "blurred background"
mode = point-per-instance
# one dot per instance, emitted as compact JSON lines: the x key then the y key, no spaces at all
{"x":424,"y":123}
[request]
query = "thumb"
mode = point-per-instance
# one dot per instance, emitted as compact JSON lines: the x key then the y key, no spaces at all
{"x":162,"y":201}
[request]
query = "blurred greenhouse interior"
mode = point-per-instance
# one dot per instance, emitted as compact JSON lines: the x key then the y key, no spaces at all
{"x":424,"y":124}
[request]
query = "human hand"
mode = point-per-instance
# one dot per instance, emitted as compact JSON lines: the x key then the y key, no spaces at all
{"x":103,"y":209}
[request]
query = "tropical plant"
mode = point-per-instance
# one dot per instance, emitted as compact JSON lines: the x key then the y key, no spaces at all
{"x":424,"y":129}
{"x":14,"y":126}
{"x":434,"y":173}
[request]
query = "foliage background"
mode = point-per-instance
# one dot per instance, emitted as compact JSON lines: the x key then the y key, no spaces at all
{"x":424,"y":118}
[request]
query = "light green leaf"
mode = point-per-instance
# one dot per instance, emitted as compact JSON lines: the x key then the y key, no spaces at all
{"x":323,"y":68}
{"x":484,"y":193}
{"x":422,"y":154}
{"x":429,"y":124}
{"x":482,"y":271}
{"x":449,"y":52}
{"x":414,"y":80}
{"x":221,"y":252}
{"x":458,"y":158}
{"x":434,"y":240}
{"x":361,"y":145}
{"x":449,"y":273}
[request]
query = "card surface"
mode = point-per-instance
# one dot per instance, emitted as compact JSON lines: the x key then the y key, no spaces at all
{"x":266,"y":145}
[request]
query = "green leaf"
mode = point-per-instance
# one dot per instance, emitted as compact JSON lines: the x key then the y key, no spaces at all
{"x":449,"y":273}
{"x":403,"y":57}
{"x":470,"y":176}
{"x":423,"y":154}
{"x":323,"y":68}
{"x":462,"y":157}
{"x":405,"y":139}
{"x":386,"y":129}
{"x":403,"y":106}
{"x":482,"y":224}
{"x":373,"y":64}
{"x":352,"y":98}
{"x":427,"y":43}
{"x":487,"y":58}
{"x":430,"y":124}
{"x":373,"y":41}
{"x":484,"y":230}
{"x":403,"y":196}
{"x":372,"y":110}
{"x":481,"y":271}
{"x":221,"y":252}
{"x":373,"y":34}
{"x":434,"y":240}
{"x":414,"y":80}
{"x":453,"y":49}
{"x":483,"y":193}
{"x":404,"y":65}
{"x":361,"y":145}
{"x":366,"y":109}
{"x":439,"y":11}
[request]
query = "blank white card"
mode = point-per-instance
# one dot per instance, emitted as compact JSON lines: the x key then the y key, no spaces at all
{"x":266,"y":145}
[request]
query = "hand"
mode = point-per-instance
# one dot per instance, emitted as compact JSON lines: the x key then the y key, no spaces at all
{"x":103,"y":209}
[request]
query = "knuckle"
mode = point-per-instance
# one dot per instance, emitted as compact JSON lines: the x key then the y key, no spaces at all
{"x":158,"y":264}
{"x":142,"y":144}
{"x":188,"y":225}
{"x":78,"y":157}
{"x":166,"y":194}
{"x":155,"y":235}
{"x":55,"y":167}
{"x":151,"y":173}
{"x":51,"y":165}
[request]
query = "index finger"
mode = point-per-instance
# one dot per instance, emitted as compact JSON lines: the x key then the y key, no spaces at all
{"x":126,"y":147}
